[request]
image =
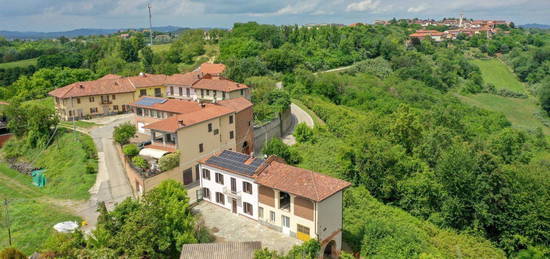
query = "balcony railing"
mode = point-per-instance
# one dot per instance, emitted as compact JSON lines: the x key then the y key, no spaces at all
{"x":106,"y":102}
{"x":231,"y":194}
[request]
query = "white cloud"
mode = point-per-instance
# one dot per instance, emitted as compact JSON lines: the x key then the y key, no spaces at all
{"x":363,"y":6}
{"x":417,"y":9}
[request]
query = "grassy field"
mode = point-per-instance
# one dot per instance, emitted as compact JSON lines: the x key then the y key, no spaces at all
{"x":518,"y":111}
{"x":31,"y":215}
{"x":20,"y":63}
{"x":160,"y":47}
{"x":497,"y":73}
{"x":65,"y":161}
{"x":79,"y":124}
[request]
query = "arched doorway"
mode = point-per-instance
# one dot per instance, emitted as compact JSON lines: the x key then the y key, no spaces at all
{"x":246,"y":148}
{"x":330,"y":250}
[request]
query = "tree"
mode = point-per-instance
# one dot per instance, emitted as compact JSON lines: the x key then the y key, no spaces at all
{"x":130,"y":150}
{"x":544,"y":95}
{"x":123,"y":133}
{"x":34,"y":121}
{"x":147,"y":57}
{"x":169,"y":161}
{"x":140,"y":162}
{"x":240,"y":69}
{"x":303,"y":133}
{"x":276,"y":147}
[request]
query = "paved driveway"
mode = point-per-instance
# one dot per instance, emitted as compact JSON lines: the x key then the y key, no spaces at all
{"x":232,"y":227}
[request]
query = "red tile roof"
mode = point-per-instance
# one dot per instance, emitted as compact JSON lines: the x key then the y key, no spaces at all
{"x":97,"y":87}
{"x":214,"y":69}
{"x":237,"y":104}
{"x":110,"y":76}
{"x":170,"y":105}
{"x":186,"y":79}
{"x":218,"y":84}
{"x":299,"y":181}
{"x":192,"y":116}
{"x":146,"y":80}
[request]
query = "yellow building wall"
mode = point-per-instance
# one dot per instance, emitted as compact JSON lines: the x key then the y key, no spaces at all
{"x":189,"y":139}
{"x":63,"y":106}
{"x":150,"y":91}
{"x":294,"y":220}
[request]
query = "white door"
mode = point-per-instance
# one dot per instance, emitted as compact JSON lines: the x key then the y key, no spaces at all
{"x":285,"y":224}
{"x":140,"y":127}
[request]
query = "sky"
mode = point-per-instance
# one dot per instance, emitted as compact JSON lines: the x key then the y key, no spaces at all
{"x":60,"y":15}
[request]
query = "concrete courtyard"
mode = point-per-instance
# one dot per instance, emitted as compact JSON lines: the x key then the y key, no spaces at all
{"x":233,"y":227}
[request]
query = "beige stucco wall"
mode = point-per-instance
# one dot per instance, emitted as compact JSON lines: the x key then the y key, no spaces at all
{"x":237,"y":94}
{"x":329,"y":218}
{"x":189,"y":139}
{"x":63,"y":106}
{"x":150,"y":91}
{"x":294,"y":220}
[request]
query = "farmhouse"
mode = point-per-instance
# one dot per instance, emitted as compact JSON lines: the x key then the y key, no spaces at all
{"x":298,"y":202}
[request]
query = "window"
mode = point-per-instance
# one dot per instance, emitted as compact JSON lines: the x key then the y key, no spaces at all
{"x":202,"y":93}
{"x":171,"y":90}
{"x":285,"y":221}
{"x":231,"y":135}
{"x":158,"y":92}
{"x":201,"y":148}
{"x":249,"y":123}
{"x":215,"y":93}
{"x":233,"y":185}
{"x":261,"y":212}
{"x":92,"y":99}
{"x":230,"y":119}
{"x":220,"y":198}
{"x":113,"y":97}
{"x":247,"y":187}
{"x":284,"y":201}
{"x":303,"y":229}
{"x":153,"y":113}
{"x":70,"y":113}
{"x":219,"y":178}
{"x":146,"y":112}
{"x":207,"y":92}
{"x":206,"y":174}
{"x":206,"y":193}
{"x":242,"y":91}
{"x":247,"y":207}
{"x":209,"y":127}
{"x":223,"y":95}
{"x":115,"y":107}
{"x":93,"y":110}
{"x":272,"y":216}
{"x":216,"y":131}
{"x":77,"y":100}
{"x":142,"y":92}
{"x":188,"y":92}
{"x":181,"y":92}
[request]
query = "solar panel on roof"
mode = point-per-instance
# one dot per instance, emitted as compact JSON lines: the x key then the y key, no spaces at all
{"x":146,"y":101}
{"x":235,"y":162}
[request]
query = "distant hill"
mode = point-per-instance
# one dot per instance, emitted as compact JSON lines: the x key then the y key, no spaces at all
{"x":535,"y":26}
{"x":76,"y":33}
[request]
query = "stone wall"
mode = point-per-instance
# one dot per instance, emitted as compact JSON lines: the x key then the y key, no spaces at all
{"x":275,"y":128}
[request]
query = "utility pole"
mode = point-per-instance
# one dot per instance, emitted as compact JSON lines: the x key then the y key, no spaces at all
{"x":8,"y":220}
{"x":150,"y":25}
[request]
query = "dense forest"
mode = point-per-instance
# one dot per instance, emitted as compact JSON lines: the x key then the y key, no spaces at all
{"x":432,"y":176}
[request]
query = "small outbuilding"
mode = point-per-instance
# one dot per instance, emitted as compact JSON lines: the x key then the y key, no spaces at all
{"x":226,"y":250}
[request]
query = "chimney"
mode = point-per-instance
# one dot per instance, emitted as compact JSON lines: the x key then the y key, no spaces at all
{"x":180,"y":122}
{"x":203,"y":105}
{"x":81,"y":85}
{"x":141,"y":74}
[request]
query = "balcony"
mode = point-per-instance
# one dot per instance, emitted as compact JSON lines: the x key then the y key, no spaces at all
{"x":106,"y":102}
{"x":236,"y":195}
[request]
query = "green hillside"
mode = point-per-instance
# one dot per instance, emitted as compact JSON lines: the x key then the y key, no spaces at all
{"x":497,"y":73}
{"x":20,"y":63}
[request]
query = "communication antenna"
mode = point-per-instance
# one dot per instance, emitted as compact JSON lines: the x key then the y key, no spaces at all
{"x":150,"y":25}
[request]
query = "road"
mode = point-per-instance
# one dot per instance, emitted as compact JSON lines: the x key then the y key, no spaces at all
{"x":298,"y":116}
{"x":111,"y":184}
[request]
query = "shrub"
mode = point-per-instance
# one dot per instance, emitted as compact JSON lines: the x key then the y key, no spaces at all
{"x":508,"y":93}
{"x":88,"y":146}
{"x":140,"y":162}
{"x":169,"y":161}
{"x":130,"y":150}
{"x":303,"y":133}
{"x":123,"y":133}
{"x":91,"y":166}
{"x":12,"y":253}
{"x":276,"y":147}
